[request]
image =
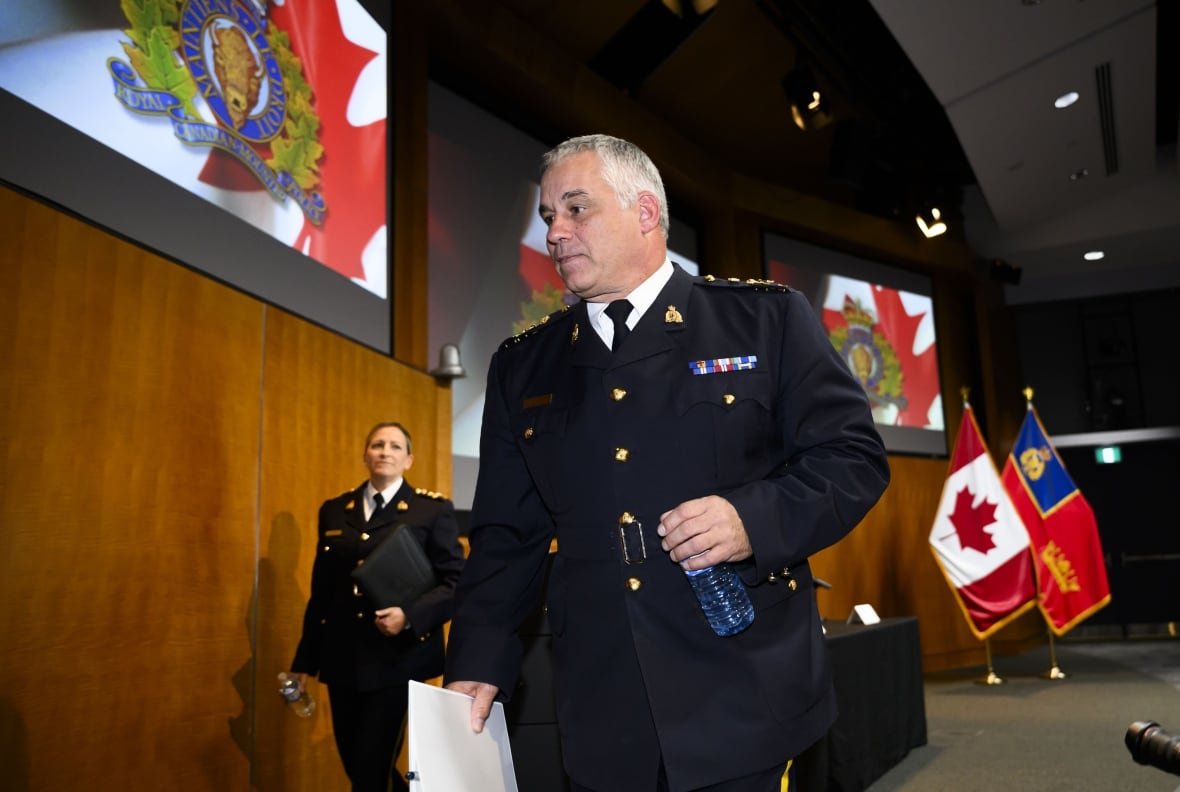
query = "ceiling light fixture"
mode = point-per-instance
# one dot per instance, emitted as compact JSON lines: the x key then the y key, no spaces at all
{"x":1094,"y":255}
{"x":930,"y":222}
{"x":1065,"y":100}
{"x":809,"y":106}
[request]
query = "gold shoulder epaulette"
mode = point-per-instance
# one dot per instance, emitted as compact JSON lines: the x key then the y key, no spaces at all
{"x":545,"y":321}
{"x":749,"y":283}
{"x":429,"y":494}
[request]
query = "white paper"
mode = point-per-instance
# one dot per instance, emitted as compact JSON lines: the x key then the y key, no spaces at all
{"x":445,"y":755}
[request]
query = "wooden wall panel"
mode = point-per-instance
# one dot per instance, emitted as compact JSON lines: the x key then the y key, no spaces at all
{"x":127,"y":510}
{"x":323,"y":394}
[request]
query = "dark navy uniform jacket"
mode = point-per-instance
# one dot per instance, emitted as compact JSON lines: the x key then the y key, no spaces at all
{"x":722,"y":388}
{"x":340,"y":642}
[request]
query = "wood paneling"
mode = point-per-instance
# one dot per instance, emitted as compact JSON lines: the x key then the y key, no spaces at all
{"x":130,"y":402}
{"x":167,"y":444}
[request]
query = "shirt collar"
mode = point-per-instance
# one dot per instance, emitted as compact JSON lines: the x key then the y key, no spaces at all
{"x":641,"y":298}
{"x":387,"y":493}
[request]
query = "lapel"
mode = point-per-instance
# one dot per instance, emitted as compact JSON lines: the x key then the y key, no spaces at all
{"x":656,"y":332}
{"x":391,"y":513}
{"x":587,"y":349}
{"x":355,"y":517}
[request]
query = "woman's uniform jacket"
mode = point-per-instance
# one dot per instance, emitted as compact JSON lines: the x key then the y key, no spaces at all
{"x":340,"y":642}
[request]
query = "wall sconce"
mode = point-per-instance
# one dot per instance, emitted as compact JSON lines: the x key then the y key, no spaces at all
{"x":449,"y":366}
{"x":930,"y":222}
{"x":809,"y":106}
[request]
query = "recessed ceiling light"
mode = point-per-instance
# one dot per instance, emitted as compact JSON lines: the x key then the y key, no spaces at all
{"x":1094,"y":255}
{"x":1065,"y":100}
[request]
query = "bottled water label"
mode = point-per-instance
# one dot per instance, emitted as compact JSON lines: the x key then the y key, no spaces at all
{"x":302,"y":704}
{"x":723,"y":598}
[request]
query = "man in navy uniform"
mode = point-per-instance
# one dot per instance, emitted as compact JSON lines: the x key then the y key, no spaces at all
{"x":722,"y":427}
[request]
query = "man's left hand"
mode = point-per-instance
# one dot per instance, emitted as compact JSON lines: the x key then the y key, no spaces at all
{"x":704,"y":532}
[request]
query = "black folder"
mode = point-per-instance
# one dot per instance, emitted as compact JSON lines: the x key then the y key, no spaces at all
{"x":397,"y":572}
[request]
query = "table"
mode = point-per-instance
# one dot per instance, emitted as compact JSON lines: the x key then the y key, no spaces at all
{"x":877,"y":670}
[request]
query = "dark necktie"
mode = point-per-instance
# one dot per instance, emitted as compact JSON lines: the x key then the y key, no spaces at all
{"x":618,"y":311}
{"x":378,"y":502}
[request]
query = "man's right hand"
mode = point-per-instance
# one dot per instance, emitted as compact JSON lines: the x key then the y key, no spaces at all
{"x":483,"y":695}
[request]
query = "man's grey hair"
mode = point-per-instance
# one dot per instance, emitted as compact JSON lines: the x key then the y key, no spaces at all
{"x":625,"y":168}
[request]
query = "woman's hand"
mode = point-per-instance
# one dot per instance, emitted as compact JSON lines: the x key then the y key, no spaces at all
{"x":390,"y":621}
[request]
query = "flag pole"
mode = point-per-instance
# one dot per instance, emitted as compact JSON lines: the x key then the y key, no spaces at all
{"x":992,"y":677}
{"x":1054,"y":672}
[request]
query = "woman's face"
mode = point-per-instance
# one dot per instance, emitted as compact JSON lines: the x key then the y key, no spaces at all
{"x":387,"y":456}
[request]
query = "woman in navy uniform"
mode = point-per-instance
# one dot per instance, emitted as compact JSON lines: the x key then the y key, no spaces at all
{"x":365,"y":655}
{"x":723,"y":427}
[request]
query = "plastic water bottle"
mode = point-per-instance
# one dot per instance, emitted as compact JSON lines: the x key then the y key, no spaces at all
{"x":723,"y":598}
{"x":302,"y":704}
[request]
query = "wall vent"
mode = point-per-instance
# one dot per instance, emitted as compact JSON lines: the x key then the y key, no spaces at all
{"x":1110,"y":149}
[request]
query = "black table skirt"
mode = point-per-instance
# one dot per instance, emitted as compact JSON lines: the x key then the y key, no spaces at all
{"x":877,"y":671}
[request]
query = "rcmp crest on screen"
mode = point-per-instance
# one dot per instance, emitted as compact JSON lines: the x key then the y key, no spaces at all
{"x":225,"y":53}
{"x":871,"y":359}
{"x":225,"y":47}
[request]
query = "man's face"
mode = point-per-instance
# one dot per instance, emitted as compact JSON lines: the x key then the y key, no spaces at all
{"x":596,"y":244}
{"x":387,"y":455}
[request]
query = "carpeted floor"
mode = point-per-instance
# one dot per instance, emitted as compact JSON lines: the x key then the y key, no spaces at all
{"x":1036,"y":735}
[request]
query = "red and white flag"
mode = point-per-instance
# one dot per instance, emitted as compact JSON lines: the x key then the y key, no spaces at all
{"x":978,"y":539}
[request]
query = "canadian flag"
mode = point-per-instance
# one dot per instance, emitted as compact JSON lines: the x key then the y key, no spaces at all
{"x":978,"y":539}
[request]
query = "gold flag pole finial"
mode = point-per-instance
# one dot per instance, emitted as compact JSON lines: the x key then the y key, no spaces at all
{"x":1028,"y":394}
{"x":965,"y":391}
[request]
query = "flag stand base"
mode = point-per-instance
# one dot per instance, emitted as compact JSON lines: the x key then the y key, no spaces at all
{"x":1054,"y":673}
{"x":992,"y":677}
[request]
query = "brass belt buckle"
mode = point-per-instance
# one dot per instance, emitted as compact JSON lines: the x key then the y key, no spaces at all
{"x":631,"y":539}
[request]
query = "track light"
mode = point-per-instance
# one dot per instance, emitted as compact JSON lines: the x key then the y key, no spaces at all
{"x":930,"y":222}
{"x":809,"y":106}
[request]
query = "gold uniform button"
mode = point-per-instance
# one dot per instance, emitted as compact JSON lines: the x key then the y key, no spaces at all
{"x":621,"y":454}
{"x":356,"y":592}
{"x":360,"y":615}
{"x":360,"y":562}
{"x":327,"y":548}
{"x":729,"y":398}
{"x":364,"y":536}
{"x":794,"y":584}
{"x":634,"y":584}
{"x":618,"y":394}
{"x":772,"y":578}
{"x":528,"y":433}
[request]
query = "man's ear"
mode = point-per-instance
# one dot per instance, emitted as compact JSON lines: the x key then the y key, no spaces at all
{"x":649,"y":212}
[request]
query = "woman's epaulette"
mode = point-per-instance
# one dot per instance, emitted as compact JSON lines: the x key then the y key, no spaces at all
{"x":425,"y":493}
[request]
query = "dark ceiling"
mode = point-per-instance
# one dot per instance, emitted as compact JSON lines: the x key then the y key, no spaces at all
{"x":717,"y":76}
{"x":949,"y":101}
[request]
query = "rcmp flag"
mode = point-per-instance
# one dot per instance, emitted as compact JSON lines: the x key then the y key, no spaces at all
{"x":1071,"y":572}
{"x":978,"y":539}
